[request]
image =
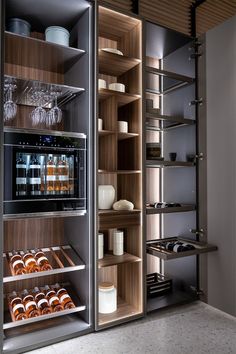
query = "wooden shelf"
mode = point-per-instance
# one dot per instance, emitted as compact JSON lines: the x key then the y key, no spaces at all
{"x":120,"y":172}
{"x":110,"y":260}
{"x":156,"y":248}
{"x":118,"y":212}
{"x":39,"y":54}
{"x":115,"y":64}
{"x":122,"y":98}
{"x":171,"y":81}
{"x":124,"y":310}
{"x":121,"y":136}
{"x":108,"y":219}
{"x":162,"y":163}
{"x":184,"y":208}
{"x":105,"y":132}
{"x":124,"y":136}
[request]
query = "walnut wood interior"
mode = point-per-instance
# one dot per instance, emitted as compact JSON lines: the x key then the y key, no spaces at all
{"x":115,"y":154}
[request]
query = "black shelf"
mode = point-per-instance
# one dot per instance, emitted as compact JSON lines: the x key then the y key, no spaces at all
{"x":155,"y":248}
{"x":162,"y":163}
{"x":176,"y":297}
{"x":168,"y":122}
{"x":171,"y":81}
{"x":182,"y":209}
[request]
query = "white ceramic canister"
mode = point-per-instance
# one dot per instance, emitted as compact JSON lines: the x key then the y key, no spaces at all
{"x":58,"y":35}
{"x":117,"y":86}
{"x":118,"y":243}
{"x":100,"y":246}
{"x":100,"y":124}
{"x":122,"y":126}
{"x":107,"y":298}
{"x":106,"y":196}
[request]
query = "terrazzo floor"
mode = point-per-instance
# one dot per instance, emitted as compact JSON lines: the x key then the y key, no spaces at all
{"x":190,"y":329}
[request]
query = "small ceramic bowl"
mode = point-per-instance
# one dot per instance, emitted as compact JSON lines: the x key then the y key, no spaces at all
{"x":102,"y":84}
{"x":112,"y":50}
{"x":117,"y":87}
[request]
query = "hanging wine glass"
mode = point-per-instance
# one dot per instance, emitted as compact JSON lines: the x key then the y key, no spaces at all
{"x":10,"y":107}
{"x":54,"y":116}
{"x":39,"y":114}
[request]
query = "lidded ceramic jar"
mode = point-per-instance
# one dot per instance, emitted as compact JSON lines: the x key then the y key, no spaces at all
{"x":106,"y":196}
{"x":107,"y":298}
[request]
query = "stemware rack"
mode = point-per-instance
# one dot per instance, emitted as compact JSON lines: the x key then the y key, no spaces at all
{"x":24,"y":89}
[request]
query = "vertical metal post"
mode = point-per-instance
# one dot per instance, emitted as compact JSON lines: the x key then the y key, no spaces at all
{"x":2,"y":25}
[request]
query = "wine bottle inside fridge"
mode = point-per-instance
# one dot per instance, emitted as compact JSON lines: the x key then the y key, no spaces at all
{"x":63,"y":175}
{"x":34,"y":175}
{"x":51,"y":175}
{"x":21,"y":182}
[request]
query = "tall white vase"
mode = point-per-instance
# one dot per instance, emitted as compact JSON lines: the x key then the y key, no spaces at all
{"x":106,"y":196}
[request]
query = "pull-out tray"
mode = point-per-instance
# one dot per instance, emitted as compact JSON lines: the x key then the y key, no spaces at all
{"x":155,"y":248}
{"x":9,"y":321}
{"x":63,"y":259}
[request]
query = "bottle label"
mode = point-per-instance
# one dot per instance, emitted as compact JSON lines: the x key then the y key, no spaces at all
{"x":38,"y":295}
{"x":30,"y":303}
{"x":65,"y":296}
{"x":62,"y":166}
{"x":53,"y":298}
{"x":34,"y":166}
{"x":20,"y":166}
{"x":60,"y":290}
{"x":42,"y":301}
{"x":17,"y":262}
{"x":51,"y":166}
{"x":41,"y":259}
{"x":18,"y":306}
{"x":63,"y":178}
{"x":20,"y":180}
{"x":29,"y":261}
{"x":35,"y":180}
{"x":51,"y":178}
{"x":15,"y":298}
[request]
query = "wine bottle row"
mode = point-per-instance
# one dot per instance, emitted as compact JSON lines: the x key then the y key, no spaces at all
{"x":39,"y":301}
{"x":29,"y":261}
{"x":39,"y":174}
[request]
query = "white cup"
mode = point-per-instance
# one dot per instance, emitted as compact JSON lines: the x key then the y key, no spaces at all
{"x":102,"y":84}
{"x":100,"y":246}
{"x":100,"y":124}
{"x":122,"y":126}
{"x":118,"y":243}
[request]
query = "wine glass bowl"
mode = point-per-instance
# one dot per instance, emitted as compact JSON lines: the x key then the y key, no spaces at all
{"x":10,"y":107}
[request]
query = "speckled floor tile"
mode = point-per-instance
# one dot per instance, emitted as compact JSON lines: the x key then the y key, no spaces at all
{"x":190,"y":329}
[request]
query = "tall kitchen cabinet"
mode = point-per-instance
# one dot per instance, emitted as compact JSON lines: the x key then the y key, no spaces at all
{"x":176,"y":233}
{"x":35,"y":66}
{"x":120,"y":163}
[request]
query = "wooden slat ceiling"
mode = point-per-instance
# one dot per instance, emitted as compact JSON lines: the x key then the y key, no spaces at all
{"x":175,"y":14}
{"x":213,"y":12}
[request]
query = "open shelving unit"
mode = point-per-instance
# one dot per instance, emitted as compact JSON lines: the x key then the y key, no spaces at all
{"x":120,"y":162}
{"x":170,"y":89}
